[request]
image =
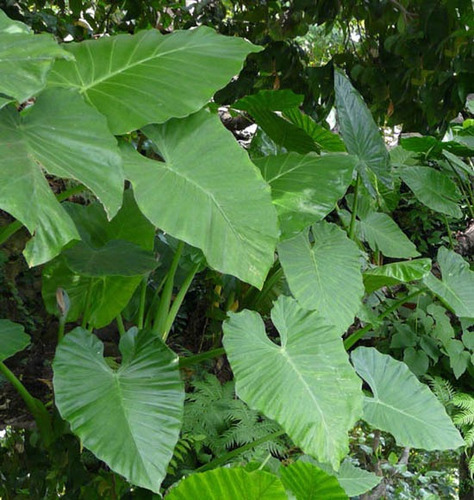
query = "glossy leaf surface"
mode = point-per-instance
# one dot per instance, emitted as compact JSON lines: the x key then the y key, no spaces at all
{"x":305,"y":188}
{"x":325,"y":276}
{"x":25,"y":59}
{"x":301,"y":383}
{"x":360,"y":133}
{"x":210,"y":197}
{"x":13,"y":339}
{"x":402,"y":405}
{"x":69,"y":139}
{"x":396,"y":273}
{"x":130,"y":417}
{"x":456,"y":287}
{"x":234,"y":483}
{"x":135,"y":80}
{"x":307,"y":482}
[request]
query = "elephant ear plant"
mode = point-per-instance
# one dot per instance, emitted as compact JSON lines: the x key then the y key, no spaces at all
{"x":134,"y":110}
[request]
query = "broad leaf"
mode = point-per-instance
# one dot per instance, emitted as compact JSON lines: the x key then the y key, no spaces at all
{"x":396,"y":273}
{"x":147,"y":78}
{"x":305,"y":188}
{"x":307,"y":482}
{"x":456,"y":288}
{"x":434,"y":189}
{"x":210,"y":197}
{"x":325,"y":276}
{"x":69,"y":139}
{"x":302,"y":382}
{"x":272,"y":100}
{"x":324,"y":139}
{"x":382,"y":233}
{"x":360,"y":133}
{"x":131,"y":417}
{"x":25,"y":59}
{"x":13,"y":339}
{"x":108,"y":294}
{"x":235,"y":483}
{"x":402,"y":405}
{"x":115,"y":258}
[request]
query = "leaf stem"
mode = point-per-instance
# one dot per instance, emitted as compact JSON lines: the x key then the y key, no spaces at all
{"x":354,"y":208}
{"x":448,"y":230}
{"x":36,"y":407}
{"x":161,"y":316}
{"x":141,"y":309}
{"x":179,"y":300}
{"x":356,"y":336}
{"x":62,"y":324}
{"x":199,"y":358}
{"x":85,"y":314}
{"x":120,"y":325}
{"x":231,"y":454}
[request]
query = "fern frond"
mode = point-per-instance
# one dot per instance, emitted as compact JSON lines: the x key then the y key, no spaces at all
{"x":469,"y":437}
{"x":464,"y":401}
{"x":442,"y":389}
{"x":470,"y":465}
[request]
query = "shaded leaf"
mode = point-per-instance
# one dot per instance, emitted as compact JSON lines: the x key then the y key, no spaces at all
{"x":137,"y":408}
{"x":434,"y":189}
{"x":402,"y":405}
{"x":326,"y":276}
{"x":147,"y":78}
{"x":360,"y":133}
{"x":13,"y":339}
{"x":456,"y":287}
{"x":212,"y":198}
{"x":301,"y":383}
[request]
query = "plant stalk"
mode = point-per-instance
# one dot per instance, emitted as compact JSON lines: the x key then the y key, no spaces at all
{"x":356,"y":336}
{"x":85,"y":314}
{"x":120,"y":325}
{"x":141,"y":309}
{"x":161,"y":316}
{"x":448,"y":230}
{"x":231,"y":454}
{"x":179,"y":300}
{"x":36,"y":407}
{"x":199,"y":358}
{"x":354,"y":208}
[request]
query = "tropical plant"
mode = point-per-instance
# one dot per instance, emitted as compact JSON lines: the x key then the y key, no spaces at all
{"x":315,"y":212}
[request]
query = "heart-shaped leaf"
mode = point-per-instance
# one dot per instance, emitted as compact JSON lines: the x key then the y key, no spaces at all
{"x":402,"y":405}
{"x":325,"y":276}
{"x":131,"y":417}
{"x":212,"y":198}
{"x":301,"y":383}
{"x":147,"y":78}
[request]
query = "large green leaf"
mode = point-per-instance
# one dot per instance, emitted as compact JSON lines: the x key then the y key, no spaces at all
{"x":229,"y":484}
{"x":67,"y":138}
{"x":131,"y":417}
{"x":305,"y":188}
{"x":272,"y":100}
{"x":301,"y":383}
{"x":402,"y":405}
{"x":108,"y":295}
{"x":360,"y":133}
{"x":382,"y":233}
{"x":324,"y":139}
{"x":25,"y":59}
{"x":13,"y":338}
{"x":396,"y":273}
{"x":115,"y":258}
{"x":456,"y":288}
{"x":325,"y":276}
{"x":307,"y":482}
{"x":147,"y":78}
{"x":434,"y":189}
{"x":211,"y":197}
{"x":354,"y":481}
